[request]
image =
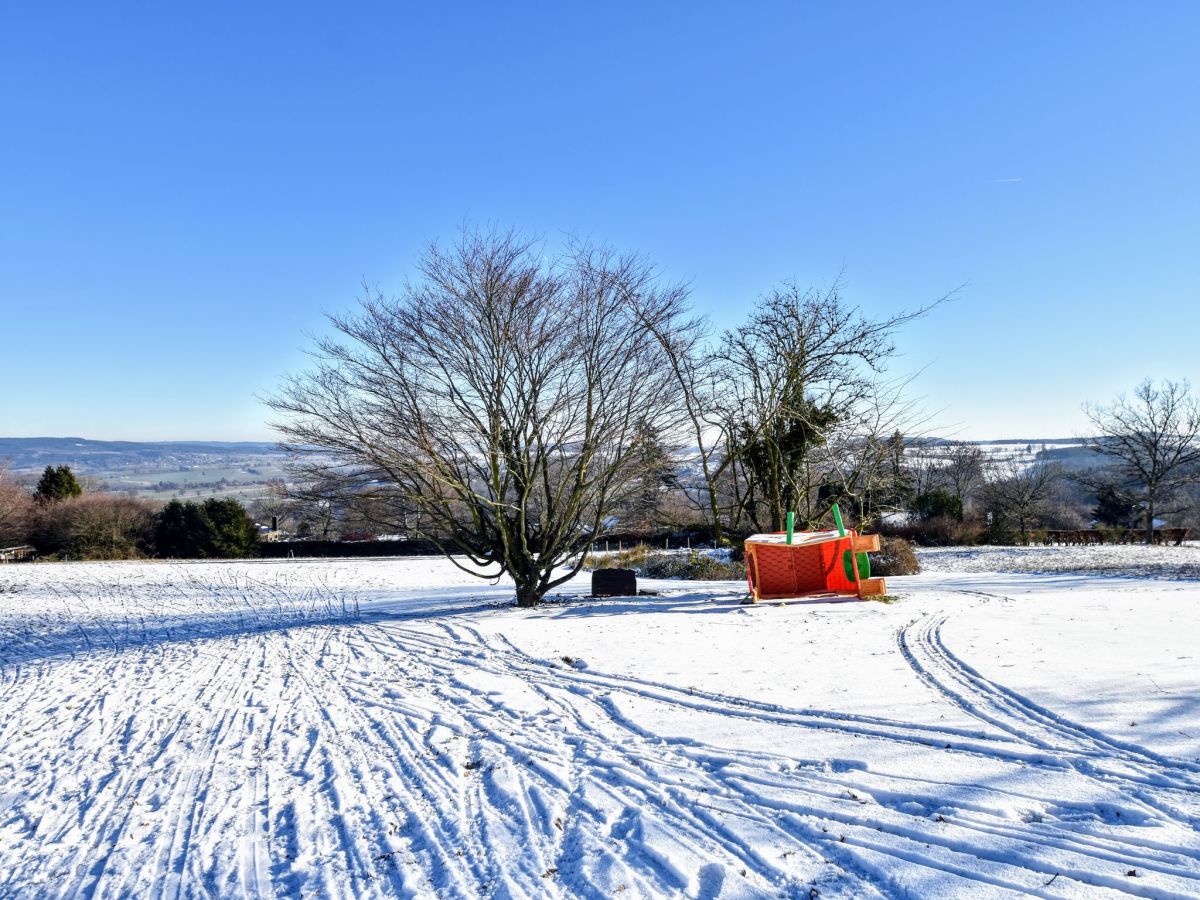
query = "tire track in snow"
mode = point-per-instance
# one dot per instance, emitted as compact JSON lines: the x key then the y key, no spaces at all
{"x":95,"y":829}
{"x":385,"y":758}
{"x":1169,"y":865}
{"x":647,"y":773}
{"x":482,"y":711}
{"x":1017,"y":714}
{"x":1092,"y":753}
{"x":189,"y":794}
{"x":353,"y":769}
{"x":630,"y":768}
{"x":474,"y":794}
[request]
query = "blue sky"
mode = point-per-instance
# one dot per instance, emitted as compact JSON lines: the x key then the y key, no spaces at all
{"x":187,"y":187}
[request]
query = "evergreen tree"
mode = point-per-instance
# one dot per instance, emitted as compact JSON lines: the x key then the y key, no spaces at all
{"x":179,"y":533}
{"x":653,"y":473}
{"x":232,"y":534}
{"x":938,"y":503}
{"x":57,"y":483}
{"x":1115,"y":507}
{"x":214,"y":529}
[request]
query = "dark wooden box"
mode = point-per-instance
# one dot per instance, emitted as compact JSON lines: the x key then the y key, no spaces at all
{"x":614,"y":583}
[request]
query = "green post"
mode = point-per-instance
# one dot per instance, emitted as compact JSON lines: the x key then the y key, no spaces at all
{"x":837,"y":520}
{"x":791,"y":525}
{"x":863,"y":569}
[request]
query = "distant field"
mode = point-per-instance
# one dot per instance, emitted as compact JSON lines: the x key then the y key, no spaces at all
{"x":192,"y":482}
{"x":151,"y":478}
{"x":199,"y":469}
{"x":168,"y":485}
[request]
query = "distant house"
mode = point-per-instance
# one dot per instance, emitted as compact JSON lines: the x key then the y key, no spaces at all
{"x":269,"y":532}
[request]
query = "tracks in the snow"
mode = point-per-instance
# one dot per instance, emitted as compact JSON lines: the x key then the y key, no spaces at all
{"x":1149,"y":789}
{"x":436,"y":758}
{"x":606,"y":805}
{"x":1091,"y":752}
{"x":859,"y":818}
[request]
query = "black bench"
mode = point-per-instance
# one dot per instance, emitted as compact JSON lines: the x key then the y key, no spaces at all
{"x":614,"y":583}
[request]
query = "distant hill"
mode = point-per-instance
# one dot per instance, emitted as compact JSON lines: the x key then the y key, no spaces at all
{"x":1077,"y":457}
{"x":87,"y":456}
{"x":96,"y":457}
{"x":164,"y":470}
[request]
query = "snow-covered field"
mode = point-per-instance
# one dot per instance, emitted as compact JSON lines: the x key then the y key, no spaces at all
{"x":389,"y":727}
{"x":1105,"y":559}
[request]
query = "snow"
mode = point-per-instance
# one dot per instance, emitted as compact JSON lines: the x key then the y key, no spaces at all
{"x":1125,"y":560}
{"x":800,"y":537}
{"x":394,"y":728}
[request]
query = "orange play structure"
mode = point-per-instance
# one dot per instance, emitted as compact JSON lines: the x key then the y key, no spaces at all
{"x":815,"y":563}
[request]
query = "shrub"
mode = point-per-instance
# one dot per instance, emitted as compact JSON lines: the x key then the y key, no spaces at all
{"x":938,"y":532}
{"x":633,"y":558}
{"x":896,"y":556}
{"x":693,"y":566}
{"x":96,"y":526}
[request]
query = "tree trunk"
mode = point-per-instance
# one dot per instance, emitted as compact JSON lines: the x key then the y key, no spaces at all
{"x":1150,"y":522}
{"x":529,"y":593}
{"x":718,"y":534}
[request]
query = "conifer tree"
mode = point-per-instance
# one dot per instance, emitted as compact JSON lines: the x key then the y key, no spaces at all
{"x":214,"y":529}
{"x":57,"y":483}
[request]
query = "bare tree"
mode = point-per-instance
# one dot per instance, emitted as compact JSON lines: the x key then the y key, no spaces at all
{"x":501,"y":396}
{"x":698,"y":377}
{"x":1153,"y":439}
{"x":961,"y":468}
{"x":16,"y":506}
{"x":924,"y":471}
{"x":803,"y":364}
{"x":275,"y":503}
{"x":1022,"y":493}
{"x":856,"y":463}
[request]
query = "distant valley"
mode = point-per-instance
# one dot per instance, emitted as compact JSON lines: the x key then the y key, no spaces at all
{"x":155,"y":470}
{"x":165,"y":470}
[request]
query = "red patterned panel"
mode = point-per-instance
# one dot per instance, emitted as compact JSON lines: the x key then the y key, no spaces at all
{"x":783,"y":570}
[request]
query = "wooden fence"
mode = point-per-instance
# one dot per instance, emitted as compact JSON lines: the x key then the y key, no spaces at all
{"x":22,"y":553}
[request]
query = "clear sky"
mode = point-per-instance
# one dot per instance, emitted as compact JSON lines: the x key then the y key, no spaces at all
{"x":186,"y":187}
